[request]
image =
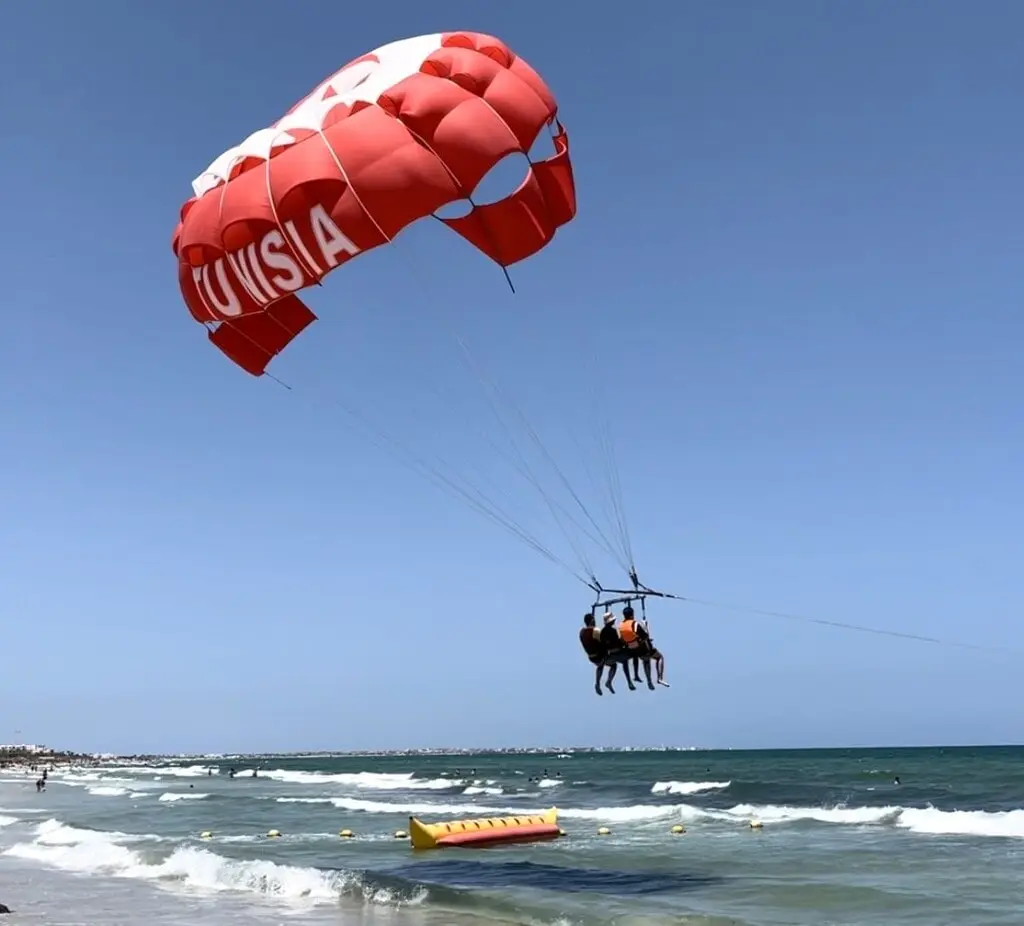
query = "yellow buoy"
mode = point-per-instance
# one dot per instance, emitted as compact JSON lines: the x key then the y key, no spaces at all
{"x":604,"y":831}
{"x":346,"y":834}
{"x":206,"y":834}
{"x":273,"y":834}
{"x":756,"y":824}
{"x":401,"y":834}
{"x":678,"y":830}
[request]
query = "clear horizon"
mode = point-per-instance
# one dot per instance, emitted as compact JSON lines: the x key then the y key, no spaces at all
{"x":479,"y":750}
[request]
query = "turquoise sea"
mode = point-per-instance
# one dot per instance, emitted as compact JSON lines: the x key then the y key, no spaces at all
{"x":841,"y":842}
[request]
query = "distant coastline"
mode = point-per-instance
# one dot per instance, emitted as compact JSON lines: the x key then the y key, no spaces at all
{"x":31,"y":756}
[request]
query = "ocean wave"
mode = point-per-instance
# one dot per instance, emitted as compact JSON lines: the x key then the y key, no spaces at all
{"x":107,"y":790}
{"x":415,"y":808}
{"x":628,"y":814}
{"x":370,"y":781}
{"x":95,"y":852}
{"x":7,"y":821}
{"x":928,"y":821}
{"x":69,"y":777}
{"x":52,"y":832}
{"x":688,"y":787}
{"x":158,"y":771}
{"x":173,"y":796}
{"x":931,"y":821}
{"x":637,"y":813}
{"x":771,"y":813}
{"x":90,"y":778}
{"x":481,"y":789}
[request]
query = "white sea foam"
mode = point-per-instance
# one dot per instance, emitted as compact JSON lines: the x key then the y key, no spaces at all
{"x":929,"y":820}
{"x":171,"y":771}
{"x":53,"y":832}
{"x":170,"y":797}
{"x":70,"y":777}
{"x":413,"y":807}
{"x":688,"y":787}
{"x":370,"y":781}
{"x":108,"y":790}
{"x":922,"y":820}
{"x":636,"y":813}
{"x":610,"y":814}
{"x":93,"y":852}
{"x":771,"y":813}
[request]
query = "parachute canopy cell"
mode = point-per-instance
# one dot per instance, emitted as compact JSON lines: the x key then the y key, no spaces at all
{"x":388,"y":139}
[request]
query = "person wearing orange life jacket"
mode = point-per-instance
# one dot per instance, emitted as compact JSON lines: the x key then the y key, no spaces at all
{"x":637,"y":641}
{"x":653,"y":653}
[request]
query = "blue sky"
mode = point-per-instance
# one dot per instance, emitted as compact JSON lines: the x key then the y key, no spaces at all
{"x":793,"y":291}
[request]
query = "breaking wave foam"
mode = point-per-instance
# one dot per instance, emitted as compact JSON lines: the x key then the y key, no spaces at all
{"x":370,"y":781}
{"x":688,"y":787}
{"x":170,"y":771}
{"x":929,"y":821}
{"x":172,"y":796}
{"x":771,"y":813}
{"x":1007,"y":823}
{"x":86,"y":851}
{"x":612,"y":814}
{"x":413,"y":807}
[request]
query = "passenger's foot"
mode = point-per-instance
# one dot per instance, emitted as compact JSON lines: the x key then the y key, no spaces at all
{"x":650,"y":685}
{"x":608,"y":685}
{"x":597,"y":688}
{"x":665,"y":684}
{"x":632,"y":687}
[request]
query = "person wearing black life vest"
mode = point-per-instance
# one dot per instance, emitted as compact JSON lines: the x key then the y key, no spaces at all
{"x":637,"y":642}
{"x":603,"y":648}
{"x":616,"y":651}
{"x":596,"y":652}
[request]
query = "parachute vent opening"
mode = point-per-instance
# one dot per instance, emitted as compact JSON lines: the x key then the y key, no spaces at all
{"x":543,"y":146}
{"x":457,"y":209}
{"x":499,"y":183}
{"x":502,"y":180}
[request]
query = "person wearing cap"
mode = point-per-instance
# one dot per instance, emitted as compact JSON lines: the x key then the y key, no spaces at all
{"x":616,"y":651}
